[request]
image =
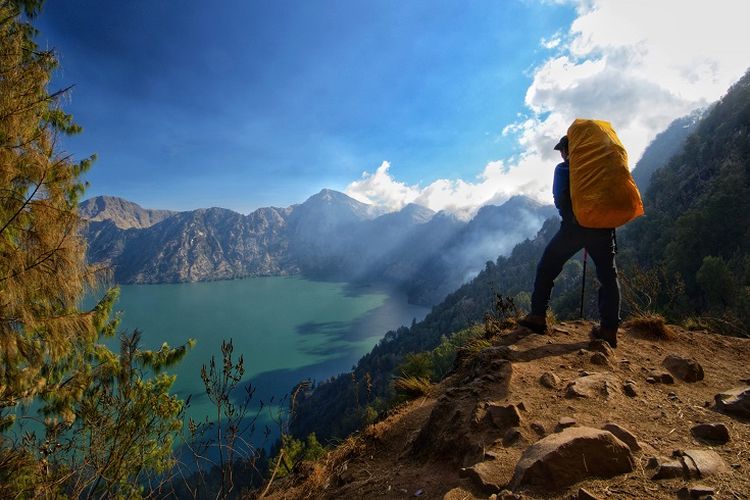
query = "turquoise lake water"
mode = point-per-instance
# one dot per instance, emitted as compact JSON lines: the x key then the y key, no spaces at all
{"x":286,"y":328}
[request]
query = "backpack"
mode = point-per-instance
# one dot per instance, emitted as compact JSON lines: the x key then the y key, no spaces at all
{"x":602,"y":190}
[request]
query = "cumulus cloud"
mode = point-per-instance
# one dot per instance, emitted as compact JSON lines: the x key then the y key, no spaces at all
{"x":638,"y":64}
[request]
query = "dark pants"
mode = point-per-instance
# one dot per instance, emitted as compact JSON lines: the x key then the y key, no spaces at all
{"x":600,"y":245}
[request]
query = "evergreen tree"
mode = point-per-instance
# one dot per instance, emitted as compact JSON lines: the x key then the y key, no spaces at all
{"x":108,"y":420}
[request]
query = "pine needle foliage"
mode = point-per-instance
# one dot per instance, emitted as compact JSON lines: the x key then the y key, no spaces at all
{"x":44,"y":337}
{"x":107,"y":420}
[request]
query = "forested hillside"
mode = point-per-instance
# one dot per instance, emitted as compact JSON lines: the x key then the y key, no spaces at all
{"x":696,"y":233}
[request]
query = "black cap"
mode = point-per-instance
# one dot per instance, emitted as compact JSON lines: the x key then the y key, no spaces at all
{"x":563,"y":144}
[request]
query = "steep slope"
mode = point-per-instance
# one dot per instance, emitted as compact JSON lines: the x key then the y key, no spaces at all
{"x":519,"y":398}
{"x":664,"y":146}
{"x":698,"y":208}
{"x":123,"y":213}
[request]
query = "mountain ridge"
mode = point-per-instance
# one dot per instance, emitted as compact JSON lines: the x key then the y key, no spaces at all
{"x":328,"y":236}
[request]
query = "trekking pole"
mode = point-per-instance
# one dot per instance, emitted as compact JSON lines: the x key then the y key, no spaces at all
{"x":583,"y":283}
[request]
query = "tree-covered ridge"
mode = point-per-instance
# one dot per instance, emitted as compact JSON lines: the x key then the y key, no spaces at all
{"x":697,"y":223}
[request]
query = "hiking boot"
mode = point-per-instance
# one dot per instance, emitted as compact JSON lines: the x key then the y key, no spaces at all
{"x":608,"y":335}
{"x":534,"y":322}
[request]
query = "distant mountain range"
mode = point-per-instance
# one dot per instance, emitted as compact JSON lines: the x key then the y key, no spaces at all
{"x":329,"y":236}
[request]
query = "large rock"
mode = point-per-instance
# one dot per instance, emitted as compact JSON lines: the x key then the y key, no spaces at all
{"x":735,"y":401}
{"x":570,"y":456}
{"x":685,"y":369}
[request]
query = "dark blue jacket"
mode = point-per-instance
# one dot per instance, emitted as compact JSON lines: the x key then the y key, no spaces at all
{"x":561,"y":192}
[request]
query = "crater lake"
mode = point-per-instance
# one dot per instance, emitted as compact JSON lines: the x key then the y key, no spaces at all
{"x":286,"y":328}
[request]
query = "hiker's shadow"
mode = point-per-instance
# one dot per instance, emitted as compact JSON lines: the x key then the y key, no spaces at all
{"x":509,"y":350}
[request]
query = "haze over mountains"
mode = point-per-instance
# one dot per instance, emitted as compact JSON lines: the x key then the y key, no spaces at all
{"x":329,"y":236}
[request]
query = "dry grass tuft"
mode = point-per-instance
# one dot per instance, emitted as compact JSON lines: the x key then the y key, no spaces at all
{"x":650,"y":325}
{"x":412,"y":387}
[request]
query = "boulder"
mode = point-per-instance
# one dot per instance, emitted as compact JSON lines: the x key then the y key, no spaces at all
{"x":577,"y":453}
{"x":685,"y":369}
{"x":717,"y":433}
{"x":735,"y":401}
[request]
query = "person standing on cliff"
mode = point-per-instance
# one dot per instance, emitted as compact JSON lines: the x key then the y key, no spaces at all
{"x":569,"y":240}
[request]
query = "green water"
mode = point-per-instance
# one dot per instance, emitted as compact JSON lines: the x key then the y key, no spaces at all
{"x":287,"y":329}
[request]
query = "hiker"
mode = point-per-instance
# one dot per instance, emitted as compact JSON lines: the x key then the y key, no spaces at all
{"x":571,"y":238}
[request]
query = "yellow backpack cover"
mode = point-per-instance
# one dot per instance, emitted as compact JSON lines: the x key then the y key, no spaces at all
{"x":602,"y":190}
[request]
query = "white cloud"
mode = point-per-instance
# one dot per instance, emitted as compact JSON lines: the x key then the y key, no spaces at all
{"x":638,"y":64}
{"x":381,"y":189}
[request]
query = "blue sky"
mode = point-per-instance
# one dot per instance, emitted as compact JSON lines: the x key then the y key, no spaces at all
{"x":245,"y":104}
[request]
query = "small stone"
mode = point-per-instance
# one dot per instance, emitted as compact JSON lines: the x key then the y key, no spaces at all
{"x":691,"y":464}
{"x":490,"y":475}
{"x":717,"y":433}
{"x":511,"y":436}
{"x":670,"y":469}
{"x":585,"y":495}
{"x":630,"y":390}
{"x":602,"y":346}
{"x":599,"y":359}
{"x":504,"y":416}
{"x":660,"y":378}
{"x":686,"y":369}
{"x":508,"y":495}
{"x":549,"y":380}
{"x":458,"y":494}
{"x":623,"y":435}
{"x":566,"y":422}
{"x":696,"y":491}
{"x":735,"y":401}
{"x":538,"y":427}
{"x":521,"y":406}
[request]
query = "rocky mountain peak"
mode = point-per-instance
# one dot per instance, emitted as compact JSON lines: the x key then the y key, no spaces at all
{"x":123,"y":213}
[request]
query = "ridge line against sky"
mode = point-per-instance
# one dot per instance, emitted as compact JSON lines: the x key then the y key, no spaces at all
{"x":443,"y":103}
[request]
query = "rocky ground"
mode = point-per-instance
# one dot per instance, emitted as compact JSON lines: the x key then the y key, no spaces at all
{"x":560,"y":416}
